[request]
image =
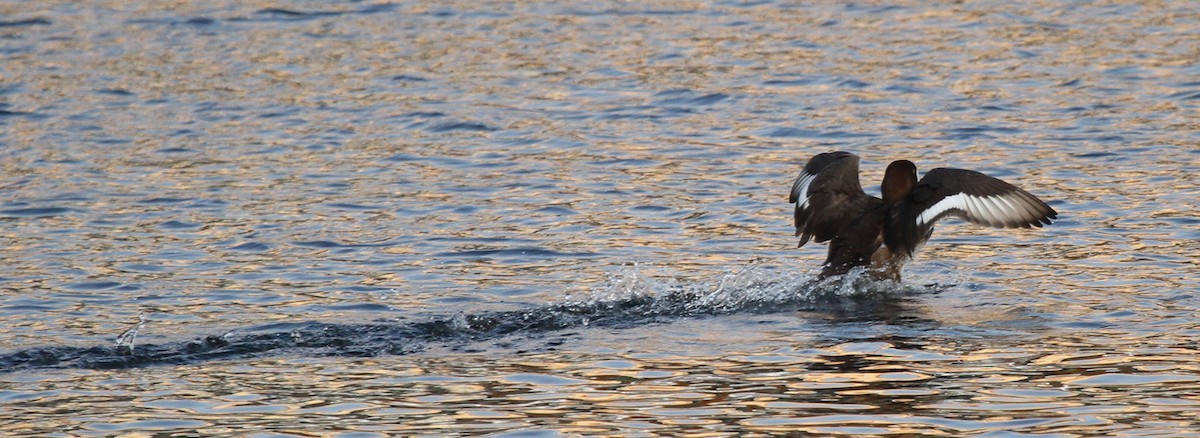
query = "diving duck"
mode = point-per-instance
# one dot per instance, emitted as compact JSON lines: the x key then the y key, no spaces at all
{"x":883,"y":234}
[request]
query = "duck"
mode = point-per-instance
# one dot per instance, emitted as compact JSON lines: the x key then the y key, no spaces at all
{"x":883,"y":234}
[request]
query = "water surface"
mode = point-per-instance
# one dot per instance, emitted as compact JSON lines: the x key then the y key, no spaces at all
{"x":543,"y":219}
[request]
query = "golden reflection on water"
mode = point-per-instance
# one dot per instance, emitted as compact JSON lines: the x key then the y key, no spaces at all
{"x":255,"y":168}
{"x":845,"y":389}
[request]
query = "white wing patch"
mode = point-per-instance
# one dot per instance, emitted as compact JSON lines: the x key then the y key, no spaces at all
{"x":957,"y":201}
{"x":800,"y":188}
{"x":1007,"y":210}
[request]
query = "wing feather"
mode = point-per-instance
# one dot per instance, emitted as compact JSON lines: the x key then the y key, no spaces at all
{"x":828,"y":196}
{"x":965,"y":194}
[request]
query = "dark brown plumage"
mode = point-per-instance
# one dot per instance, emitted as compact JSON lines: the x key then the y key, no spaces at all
{"x":883,"y":234}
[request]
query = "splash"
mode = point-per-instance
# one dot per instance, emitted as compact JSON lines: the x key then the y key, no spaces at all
{"x":630,"y":297}
{"x":752,"y":288}
{"x":126,"y":340}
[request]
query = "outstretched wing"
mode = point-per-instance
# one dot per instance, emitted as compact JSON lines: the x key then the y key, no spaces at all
{"x":828,"y":196}
{"x":966,"y":194}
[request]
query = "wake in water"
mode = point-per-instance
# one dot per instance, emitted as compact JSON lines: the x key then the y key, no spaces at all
{"x":629,"y":298}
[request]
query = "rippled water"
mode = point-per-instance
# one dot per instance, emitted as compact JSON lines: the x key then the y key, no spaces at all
{"x":561,"y":218}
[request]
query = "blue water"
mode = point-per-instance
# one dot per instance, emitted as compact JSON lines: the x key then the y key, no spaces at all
{"x":232,"y":218}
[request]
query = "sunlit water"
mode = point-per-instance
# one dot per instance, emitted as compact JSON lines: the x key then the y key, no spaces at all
{"x":563,"y":218}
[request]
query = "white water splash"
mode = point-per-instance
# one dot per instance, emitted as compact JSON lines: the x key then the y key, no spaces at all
{"x":757,"y":286}
{"x":128,"y":337}
{"x":459,"y":322}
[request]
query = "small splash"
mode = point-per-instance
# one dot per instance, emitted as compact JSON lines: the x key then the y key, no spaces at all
{"x":125,"y":342}
{"x":459,"y":322}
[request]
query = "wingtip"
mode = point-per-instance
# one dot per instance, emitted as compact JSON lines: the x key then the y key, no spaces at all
{"x":804,"y":237}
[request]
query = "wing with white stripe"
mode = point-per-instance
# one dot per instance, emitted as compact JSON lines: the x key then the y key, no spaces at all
{"x":828,"y":196}
{"x":966,"y":194}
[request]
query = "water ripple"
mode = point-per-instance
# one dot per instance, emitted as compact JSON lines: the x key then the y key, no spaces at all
{"x":315,"y":185}
{"x":35,"y":212}
{"x":26,"y":22}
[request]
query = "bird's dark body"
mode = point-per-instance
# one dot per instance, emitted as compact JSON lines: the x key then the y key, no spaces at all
{"x":883,"y":234}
